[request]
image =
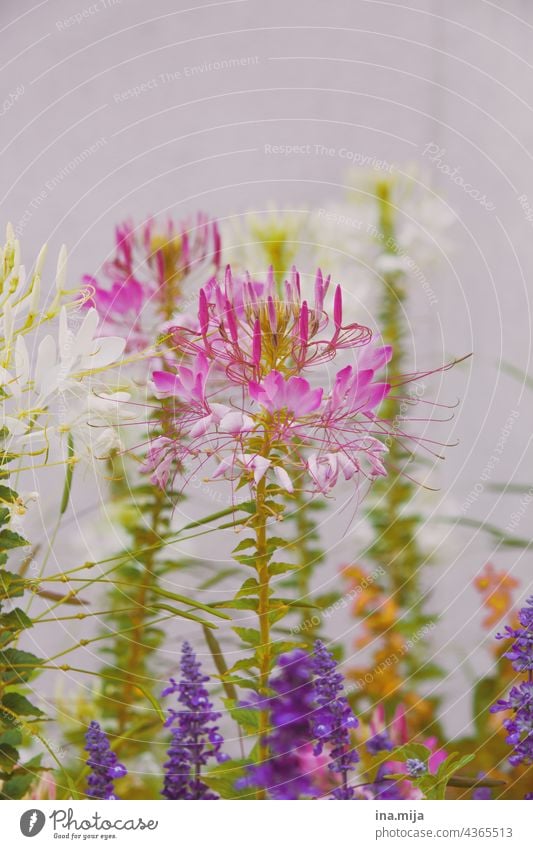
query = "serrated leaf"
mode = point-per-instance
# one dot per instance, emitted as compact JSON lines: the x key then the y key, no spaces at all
{"x":10,"y":539}
{"x":11,"y":585}
{"x":15,"y":620}
{"x":8,"y":495}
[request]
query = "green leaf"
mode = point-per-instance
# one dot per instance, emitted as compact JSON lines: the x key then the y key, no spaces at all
{"x":250,"y":587}
{"x":8,"y":757}
{"x":223,"y":777}
{"x":15,"y":620}
{"x":11,"y":736}
{"x":246,"y":717}
{"x":238,"y":604}
{"x":453,"y":763}
{"x":11,"y":585}
{"x":17,"y":786}
{"x":7,"y":494}
{"x":246,"y":663}
{"x":10,"y":539}
{"x":281,"y":568}
{"x":20,"y":705}
{"x":18,"y":663}
{"x":250,"y":542}
{"x":412,"y":750}
{"x":249,"y":636}
{"x":246,"y":560}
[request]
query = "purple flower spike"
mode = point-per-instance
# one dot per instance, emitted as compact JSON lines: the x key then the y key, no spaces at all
{"x":104,"y":765}
{"x":290,"y":719}
{"x":195,"y":739}
{"x":520,"y":699}
{"x":333,"y":719}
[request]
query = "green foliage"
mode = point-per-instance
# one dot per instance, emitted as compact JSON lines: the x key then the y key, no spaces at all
{"x":17,"y":667}
{"x":432,"y":785}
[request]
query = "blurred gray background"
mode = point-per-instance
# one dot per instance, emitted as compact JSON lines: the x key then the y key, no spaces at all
{"x":130,"y":82}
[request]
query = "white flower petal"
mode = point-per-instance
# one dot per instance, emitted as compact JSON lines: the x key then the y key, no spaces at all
{"x":283,"y":479}
{"x":106,"y":350}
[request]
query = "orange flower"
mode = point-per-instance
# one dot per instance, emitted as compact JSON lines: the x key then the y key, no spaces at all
{"x":496,"y":589}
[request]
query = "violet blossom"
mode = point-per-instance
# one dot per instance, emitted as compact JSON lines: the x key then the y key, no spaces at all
{"x":519,"y":725}
{"x":195,"y":736}
{"x":103,"y":764}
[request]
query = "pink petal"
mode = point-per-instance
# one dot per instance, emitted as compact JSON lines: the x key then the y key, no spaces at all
{"x":165,"y":382}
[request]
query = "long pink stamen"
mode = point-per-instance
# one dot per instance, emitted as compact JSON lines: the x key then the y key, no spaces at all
{"x":337,"y":308}
{"x":256,"y":343}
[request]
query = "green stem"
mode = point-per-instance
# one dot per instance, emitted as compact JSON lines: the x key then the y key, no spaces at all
{"x":264,"y":618}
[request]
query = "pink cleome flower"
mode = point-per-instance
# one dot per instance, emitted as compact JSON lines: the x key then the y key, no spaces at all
{"x":240,"y":399}
{"x":147,"y":274}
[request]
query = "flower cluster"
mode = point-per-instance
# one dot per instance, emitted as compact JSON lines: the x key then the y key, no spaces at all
{"x":147,"y":274}
{"x":64,"y":390}
{"x":103,"y":764}
{"x":308,"y":708}
{"x":240,"y":397}
{"x":520,"y":699}
{"x":496,"y":588}
{"x":195,"y":738}
{"x":290,"y":711}
{"x":333,"y":719}
{"x":385,"y":737}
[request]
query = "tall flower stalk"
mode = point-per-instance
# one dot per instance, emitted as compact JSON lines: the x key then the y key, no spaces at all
{"x":519,"y":702}
{"x":397,"y":549}
{"x":195,"y":737}
{"x":237,"y":407}
{"x":155,"y":270}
